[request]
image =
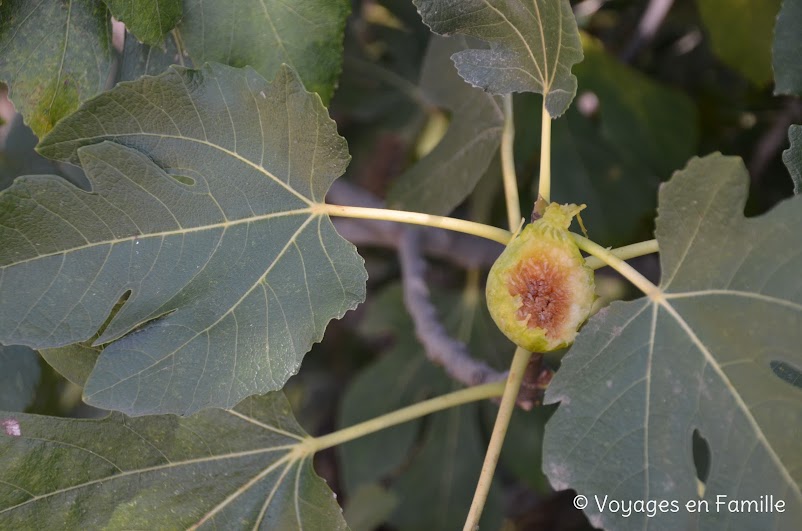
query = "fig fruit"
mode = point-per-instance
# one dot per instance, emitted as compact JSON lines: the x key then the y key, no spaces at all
{"x":540,"y":291}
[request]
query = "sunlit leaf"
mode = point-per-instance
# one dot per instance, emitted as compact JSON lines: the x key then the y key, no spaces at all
{"x":19,"y":376}
{"x":238,"y":469}
{"x":717,"y":351}
{"x":441,"y":180}
{"x":788,"y":49}
{"x":533,"y":45}
{"x":149,"y":20}
{"x":305,"y":34}
{"x":204,"y":185}
{"x":53,"y":55}
{"x":740,"y":33}
{"x":793,"y":157}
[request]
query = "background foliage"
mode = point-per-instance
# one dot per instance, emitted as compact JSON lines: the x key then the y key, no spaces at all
{"x":707,"y":76}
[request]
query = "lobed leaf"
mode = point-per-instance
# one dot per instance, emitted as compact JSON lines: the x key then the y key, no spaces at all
{"x":53,"y":55}
{"x":716,"y":353}
{"x":236,"y":469}
{"x":149,"y":20}
{"x":787,"y":49}
{"x":533,"y":45}
{"x":441,"y":180}
{"x":202,"y":212}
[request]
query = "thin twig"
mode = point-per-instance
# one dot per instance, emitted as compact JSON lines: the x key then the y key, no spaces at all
{"x":649,"y":23}
{"x":440,"y":347}
{"x":461,"y":249}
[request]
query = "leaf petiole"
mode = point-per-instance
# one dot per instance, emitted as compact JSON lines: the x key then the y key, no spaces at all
{"x":625,"y":253}
{"x":415,"y":218}
{"x":508,"y":166}
{"x":457,"y":398}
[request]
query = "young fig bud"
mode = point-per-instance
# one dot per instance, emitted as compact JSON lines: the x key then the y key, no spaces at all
{"x":539,"y":290}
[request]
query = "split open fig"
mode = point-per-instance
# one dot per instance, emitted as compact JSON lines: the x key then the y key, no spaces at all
{"x":540,"y":291}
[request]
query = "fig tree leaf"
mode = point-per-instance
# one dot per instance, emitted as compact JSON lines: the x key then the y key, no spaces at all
{"x":793,"y":157}
{"x":53,"y":55}
{"x":19,"y":376}
{"x":716,"y":350}
{"x":202,"y":212}
{"x":787,"y":49}
{"x":304,"y":34}
{"x":140,"y":59}
{"x":231,"y":469}
{"x":740,"y":33}
{"x":441,"y":180}
{"x":533,"y":45}
{"x":149,"y":20}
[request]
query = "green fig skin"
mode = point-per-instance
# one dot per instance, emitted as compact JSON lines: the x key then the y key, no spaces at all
{"x":540,"y":291}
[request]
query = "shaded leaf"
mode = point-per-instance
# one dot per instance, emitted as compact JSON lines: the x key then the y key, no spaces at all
{"x":305,"y":34}
{"x":19,"y":376}
{"x":533,"y":45}
{"x":140,"y":59}
{"x":441,"y":180}
{"x":149,"y":20}
{"x":740,"y":33}
{"x":787,"y":49}
{"x":712,"y":354}
{"x":793,"y":157}
{"x":53,"y":55}
{"x":238,"y":469}
{"x":431,"y":464}
{"x":205,"y":200}
{"x":369,"y":507}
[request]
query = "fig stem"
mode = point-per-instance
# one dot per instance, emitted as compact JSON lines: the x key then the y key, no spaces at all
{"x":609,"y":258}
{"x":544,"y":182}
{"x":399,"y":416}
{"x":415,"y":218}
{"x":517,"y":370}
{"x":508,"y":166}
{"x":625,"y":253}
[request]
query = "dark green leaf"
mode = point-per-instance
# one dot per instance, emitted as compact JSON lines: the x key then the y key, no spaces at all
{"x":140,"y":59}
{"x":533,"y":45}
{"x":305,"y":34}
{"x":432,"y":465}
{"x":149,"y":20}
{"x":369,"y":507}
{"x":19,"y":376}
{"x":440,"y":181}
{"x":238,"y":469}
{"x":53,"y":55}
{"x":788,"y":49}
{"x":793,"y":157}
{"x":204,"y":187}
{"x":644,"y":375}
{"x":740,"y":34}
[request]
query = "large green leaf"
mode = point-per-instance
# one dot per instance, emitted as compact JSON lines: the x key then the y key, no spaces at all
{"x":305,"y":34}
{"x":149,"y":20}
{"x":533,"y":44}
{"x":740,"y":33}
{"x":787,"y":49}
{"x":237,"y":469}
{"x":204,"y":187}
{"x":793,"y":157}
{"x":53,"y":55}
{"x":717,"y":351}
{"x":19,"y":376}
{"x":441,"y":180}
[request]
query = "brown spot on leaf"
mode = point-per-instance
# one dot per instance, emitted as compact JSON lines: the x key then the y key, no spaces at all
{"x":544,"y":297}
